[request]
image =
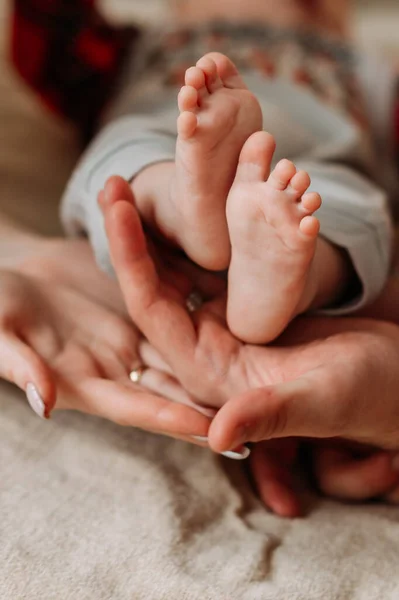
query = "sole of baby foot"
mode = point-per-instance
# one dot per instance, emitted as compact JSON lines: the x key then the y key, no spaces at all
{"x":273,"y":235}
{"x":217,"y":115}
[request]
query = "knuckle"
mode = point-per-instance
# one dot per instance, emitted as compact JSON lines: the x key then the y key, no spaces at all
{"x":275,"y":425}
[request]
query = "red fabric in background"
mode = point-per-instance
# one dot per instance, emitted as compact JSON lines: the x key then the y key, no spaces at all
{"x":397,"y":122}
{"x":67,"y":53}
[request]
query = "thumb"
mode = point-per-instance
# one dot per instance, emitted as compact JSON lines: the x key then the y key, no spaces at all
{"x":310,"y":406}
{"x":21,"y":365}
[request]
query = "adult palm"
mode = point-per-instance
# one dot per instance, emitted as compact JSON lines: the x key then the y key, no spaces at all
{"x":320,"y":380}
{"x":62,"y":328}
{"x":301,"y":386}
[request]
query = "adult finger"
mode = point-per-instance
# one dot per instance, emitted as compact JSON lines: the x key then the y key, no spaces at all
{"x":272,"y":480}
{"x":153,"y":358}
{"x":24,"y":367}
{"x":167,"y":386}
{"x":164,"y":321}
{"x":183,"y":438}
{"x":163,"y":374}
{"x":340,"y":475}
{"x":132,"y":407}
{"x":197,"y":347}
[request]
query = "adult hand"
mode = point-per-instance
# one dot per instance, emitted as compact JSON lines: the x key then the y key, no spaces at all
{"x":345,"y":385}
{"x":319,"y":380}
{"x":332,"y":354}
{"x":199,"y":349}
{"x":77,"y":352}
{"x":350,"y":471}
{"x":338,"y":469}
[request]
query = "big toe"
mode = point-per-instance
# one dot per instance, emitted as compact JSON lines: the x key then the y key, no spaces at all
{"x":227,"y":70}
{"x":209,"y":69}
{"x":256,"y":157}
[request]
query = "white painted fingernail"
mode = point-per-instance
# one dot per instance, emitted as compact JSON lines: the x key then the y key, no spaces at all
{"x":35,"y":400}
{"x":242,"y":455}
{"x":234,"y":455}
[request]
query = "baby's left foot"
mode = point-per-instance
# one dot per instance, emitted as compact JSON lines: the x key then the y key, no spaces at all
{"x":273,"y":238}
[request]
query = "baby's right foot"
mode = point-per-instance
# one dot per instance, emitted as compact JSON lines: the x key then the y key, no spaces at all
{"x":218,"y":114}
{"x":273,"y":238}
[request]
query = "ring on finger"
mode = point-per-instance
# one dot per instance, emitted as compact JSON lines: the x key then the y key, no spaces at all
{"x":136,"y":375}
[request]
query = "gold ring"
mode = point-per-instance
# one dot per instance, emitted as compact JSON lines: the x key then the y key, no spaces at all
{"x":194,"y":301}
{"x":136,"y":375}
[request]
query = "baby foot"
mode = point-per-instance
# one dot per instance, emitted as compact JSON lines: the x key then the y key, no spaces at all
{"x":217,"y":115}
{"x":273,"y":238}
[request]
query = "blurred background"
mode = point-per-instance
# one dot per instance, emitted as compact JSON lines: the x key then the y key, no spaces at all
{"x":376,"y":22}
{"x":376,"y":25}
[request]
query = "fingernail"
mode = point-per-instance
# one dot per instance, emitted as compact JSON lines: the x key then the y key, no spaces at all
{"x":395,"y":462}
{"x":238,"y":454}
{"x":35,"y":400}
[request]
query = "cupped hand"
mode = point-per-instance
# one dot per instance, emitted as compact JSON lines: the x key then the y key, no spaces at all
{"x":320,"y":380}
{"x":344,"y":386}
{"x":316,"y":381}
{"x":77,"y":352}
{"x":200,"y":350}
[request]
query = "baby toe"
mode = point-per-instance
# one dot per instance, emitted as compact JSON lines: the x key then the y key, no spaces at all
{"x":195,"y":78}
{"x":309,"y":227}
{"x":300,"y":183}
{"x":227,"y":71}
{"x":256,"y":157}
{"x":311,"y":202}
{"x":281,"y":176}
{"x":188,"y":98}
{"x":186,"y":125}
{"x":208,"y":66}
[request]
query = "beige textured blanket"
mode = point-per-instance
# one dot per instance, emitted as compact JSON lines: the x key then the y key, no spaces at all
{"x":91,"y":511}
